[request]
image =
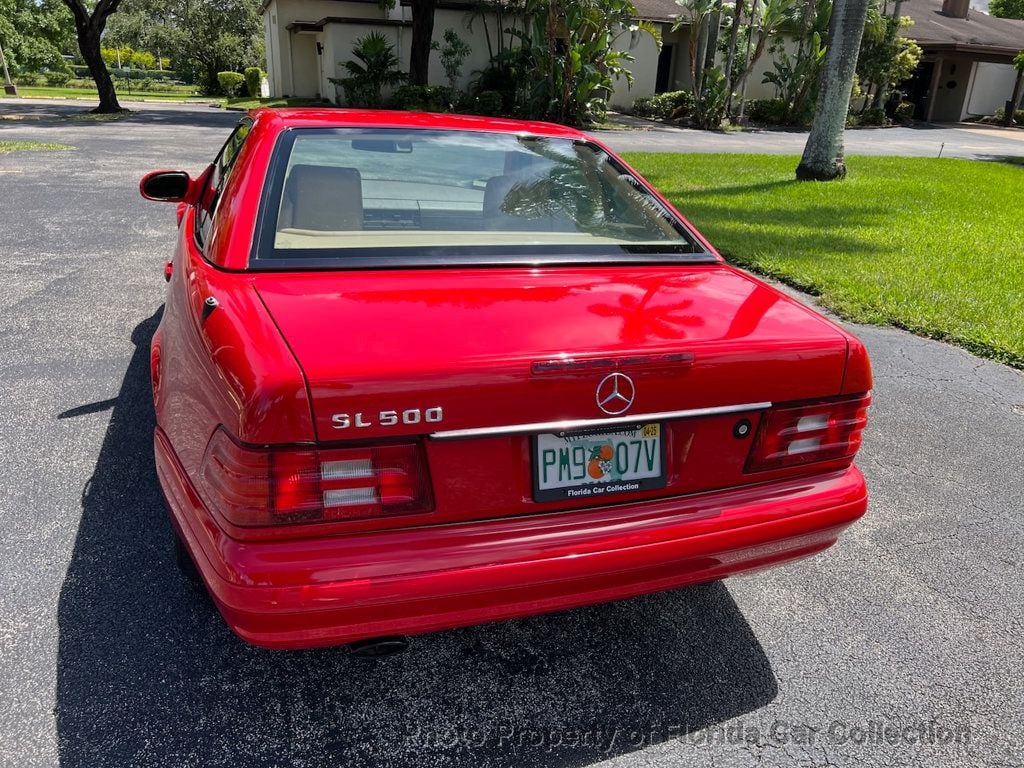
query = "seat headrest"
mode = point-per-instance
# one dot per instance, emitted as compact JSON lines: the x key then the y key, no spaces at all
{"x":323,"y":197}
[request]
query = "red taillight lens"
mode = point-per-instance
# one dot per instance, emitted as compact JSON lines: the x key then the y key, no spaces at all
{"x":281,"y":486}
{"x":802,"y":433}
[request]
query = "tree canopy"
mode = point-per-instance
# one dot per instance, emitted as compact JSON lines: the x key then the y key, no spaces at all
{"x":34,"y":34}
{"x":1007,"y":9}
{"x":200,"y":36}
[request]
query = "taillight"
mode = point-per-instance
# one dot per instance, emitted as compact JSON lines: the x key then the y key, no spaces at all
{"x":802,"y":433}
{"x":281,"y":486}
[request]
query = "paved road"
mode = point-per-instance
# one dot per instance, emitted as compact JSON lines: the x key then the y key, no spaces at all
{"x":107,"y":658}
{"x":974,"y":142}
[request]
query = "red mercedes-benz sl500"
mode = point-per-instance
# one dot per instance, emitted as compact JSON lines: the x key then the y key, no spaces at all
{"x":422,"y":371}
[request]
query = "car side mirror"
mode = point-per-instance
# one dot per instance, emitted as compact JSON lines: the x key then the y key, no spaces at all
{"x":166,"y":186}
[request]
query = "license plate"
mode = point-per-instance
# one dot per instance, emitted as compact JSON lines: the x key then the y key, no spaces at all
{"x":594,"y":465}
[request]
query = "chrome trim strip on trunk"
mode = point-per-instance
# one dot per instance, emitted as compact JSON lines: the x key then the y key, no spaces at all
{"x":574,"y":424}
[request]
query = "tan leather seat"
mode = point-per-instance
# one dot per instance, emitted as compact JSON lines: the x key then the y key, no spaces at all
{"x":322,"y":197}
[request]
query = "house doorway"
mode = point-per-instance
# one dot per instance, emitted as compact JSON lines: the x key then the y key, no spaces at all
{"x":663,"y":81}
{"x":918,"y":89}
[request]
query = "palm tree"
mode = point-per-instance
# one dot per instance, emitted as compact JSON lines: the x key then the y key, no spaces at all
{"x":734,"y":33}
{"x":823,"y":155}
{"x":374,"y":69}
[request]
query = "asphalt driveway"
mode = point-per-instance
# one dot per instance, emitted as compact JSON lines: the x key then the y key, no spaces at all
{"x":900,"y":646}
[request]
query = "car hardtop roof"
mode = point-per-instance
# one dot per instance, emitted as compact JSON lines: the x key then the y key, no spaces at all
{"x":328,"y":117}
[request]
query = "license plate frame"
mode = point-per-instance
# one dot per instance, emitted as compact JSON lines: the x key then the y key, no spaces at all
{"x":598,"y":490}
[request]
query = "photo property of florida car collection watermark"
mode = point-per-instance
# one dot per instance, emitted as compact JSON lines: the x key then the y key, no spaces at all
{"x":873,"y":733}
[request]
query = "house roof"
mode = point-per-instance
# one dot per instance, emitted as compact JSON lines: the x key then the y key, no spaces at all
{"x":657,"y":10}
{"x":978,"y":34}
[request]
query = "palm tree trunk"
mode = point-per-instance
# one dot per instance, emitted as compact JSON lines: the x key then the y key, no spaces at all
{"x":734,"y":33}
{"x":422,"y":38}
{"x":711,"y":44}
{"x":894,"y":28}
{"x":823,"y":155}
{"x":748,"y":65}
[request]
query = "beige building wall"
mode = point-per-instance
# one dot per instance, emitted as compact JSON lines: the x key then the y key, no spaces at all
{"x":952,"y":80}
{"x":644,"y":68}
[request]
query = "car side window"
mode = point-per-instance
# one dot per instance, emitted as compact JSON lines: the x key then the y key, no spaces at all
{"x":222,"y":168}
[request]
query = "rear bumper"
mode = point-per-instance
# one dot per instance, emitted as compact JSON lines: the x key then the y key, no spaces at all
{"x":304,"y":593}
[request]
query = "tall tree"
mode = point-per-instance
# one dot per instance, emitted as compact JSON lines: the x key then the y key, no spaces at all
{"x":422,"y":41}
{"x":89,"y":29}
{"x":730,"y":61}
{"x":823,"y":155}
{"x":215,"y":35}
{"x":202,"y":37}
{"x":892,"y":28}
{"x":1007,"y":9}
{"x":34,"y":34}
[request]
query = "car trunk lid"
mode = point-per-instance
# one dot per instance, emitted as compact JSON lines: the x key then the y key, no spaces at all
{"x":522,"y":346}
{"x":506,"y":353}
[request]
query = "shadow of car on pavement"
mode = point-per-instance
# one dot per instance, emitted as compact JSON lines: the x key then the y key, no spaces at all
{"x":149,"y":674}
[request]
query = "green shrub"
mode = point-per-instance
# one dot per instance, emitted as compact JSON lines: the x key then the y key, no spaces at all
{"x":28,"y":79}
{"x":874,"y":116}
{"x":766,"y":111}
{"x":230,"y":82}
{"x":488,"y":104}
{"x":57,"y":79}
{"x":904,"y":113}
{"x":142,"y":60}
{"x":1018,"y":116}
{"x":253,"y":78}
{"x":673,"y":105}
{"x":643,"y":107}
{"x":423,"y":98}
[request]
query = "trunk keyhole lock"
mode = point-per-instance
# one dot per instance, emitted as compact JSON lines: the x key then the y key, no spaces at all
{"x":741,"y":429}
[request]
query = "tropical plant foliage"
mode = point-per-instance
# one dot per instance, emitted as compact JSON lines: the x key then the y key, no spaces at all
{"x":558,"y":60}
{"x":731,"y":40}
{"x":374,"y":69}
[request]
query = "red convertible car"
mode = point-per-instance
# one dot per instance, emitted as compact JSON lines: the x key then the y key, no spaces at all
{"x":423,"y":371}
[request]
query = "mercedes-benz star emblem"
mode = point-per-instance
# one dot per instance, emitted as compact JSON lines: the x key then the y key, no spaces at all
{"x":615,"y":393}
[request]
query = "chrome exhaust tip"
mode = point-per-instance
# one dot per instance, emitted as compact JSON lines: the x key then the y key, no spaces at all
{"x":378,"y":647}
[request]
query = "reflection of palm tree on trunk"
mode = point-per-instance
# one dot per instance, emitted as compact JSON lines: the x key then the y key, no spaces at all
{"x":641,"y":322}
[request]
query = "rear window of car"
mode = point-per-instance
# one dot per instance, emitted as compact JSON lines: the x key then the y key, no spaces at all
{"x":355,"y":197}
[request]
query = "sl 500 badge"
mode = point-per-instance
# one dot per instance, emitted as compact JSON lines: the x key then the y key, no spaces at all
{"x":388,"y":418}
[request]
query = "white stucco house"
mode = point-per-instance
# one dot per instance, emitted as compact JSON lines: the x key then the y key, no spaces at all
{"x":965,"y":70}
{"x":308,"y":40}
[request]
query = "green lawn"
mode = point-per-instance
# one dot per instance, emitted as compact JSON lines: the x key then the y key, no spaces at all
{"x":30,"y":146}
{"x":249,"y":102}
{"x":122,"y":94}
{"x":933,"y":246}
